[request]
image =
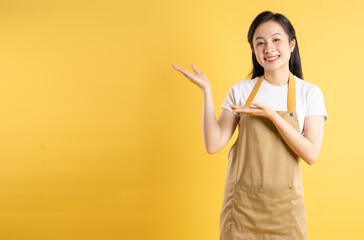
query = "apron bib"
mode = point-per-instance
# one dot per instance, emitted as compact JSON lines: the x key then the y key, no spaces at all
{"x":263,"y":195}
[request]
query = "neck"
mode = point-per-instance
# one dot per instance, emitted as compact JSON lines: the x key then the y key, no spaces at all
{"x":278,"y":77}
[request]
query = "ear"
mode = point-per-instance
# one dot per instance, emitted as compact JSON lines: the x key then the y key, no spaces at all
{"x":292,"y":44}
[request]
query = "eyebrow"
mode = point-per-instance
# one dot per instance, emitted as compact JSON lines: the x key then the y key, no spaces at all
{"x":270,"y":35}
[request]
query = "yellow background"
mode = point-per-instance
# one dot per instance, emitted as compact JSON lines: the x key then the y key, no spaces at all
{"x":101,"y":138}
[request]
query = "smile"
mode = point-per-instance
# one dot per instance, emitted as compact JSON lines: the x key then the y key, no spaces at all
{"x":272,"y":59}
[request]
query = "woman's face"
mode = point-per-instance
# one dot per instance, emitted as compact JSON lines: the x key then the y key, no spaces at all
{"x":271,"y":41}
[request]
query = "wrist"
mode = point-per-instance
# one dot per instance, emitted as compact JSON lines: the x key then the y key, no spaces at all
{"x":206,"y":88}
{"x":273,"y":116}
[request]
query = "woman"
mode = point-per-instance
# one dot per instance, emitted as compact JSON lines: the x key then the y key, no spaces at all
{"x":281,"y":120}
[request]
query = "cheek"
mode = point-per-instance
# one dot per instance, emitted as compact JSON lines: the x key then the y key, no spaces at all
{"x":283,"y":48}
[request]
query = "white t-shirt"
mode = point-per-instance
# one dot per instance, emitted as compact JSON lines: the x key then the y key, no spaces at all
{"x":309,"y":98}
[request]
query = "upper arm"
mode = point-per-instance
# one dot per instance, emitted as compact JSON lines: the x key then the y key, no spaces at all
{"x":227,"y":122}
{"x":314,"y":131}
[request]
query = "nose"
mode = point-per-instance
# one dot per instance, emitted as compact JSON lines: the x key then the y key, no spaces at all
{"x":268,"y":47}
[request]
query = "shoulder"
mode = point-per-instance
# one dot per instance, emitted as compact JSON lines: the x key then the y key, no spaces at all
{"x":307,"y":88}
{"x":244,"y":84}
{"x":239,"y":92}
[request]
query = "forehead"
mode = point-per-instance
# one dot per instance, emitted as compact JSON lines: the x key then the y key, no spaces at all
{"x":267,"y":29}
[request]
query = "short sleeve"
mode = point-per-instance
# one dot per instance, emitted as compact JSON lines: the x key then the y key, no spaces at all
{"x":316,"y":103}
{"x":231,"y":98}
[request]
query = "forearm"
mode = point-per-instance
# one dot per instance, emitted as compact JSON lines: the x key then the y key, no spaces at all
{"x":210,"y":128}
{"x":303,"y":147}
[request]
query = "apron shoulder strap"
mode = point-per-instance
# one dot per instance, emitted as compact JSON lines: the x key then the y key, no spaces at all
{"x":291,"y":92}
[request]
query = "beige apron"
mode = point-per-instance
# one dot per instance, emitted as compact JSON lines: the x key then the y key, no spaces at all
{"x":263,"y":196}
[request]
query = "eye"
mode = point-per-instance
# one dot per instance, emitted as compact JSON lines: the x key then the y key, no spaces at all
{"x":259,"y":43}
{"x":276,"y":39}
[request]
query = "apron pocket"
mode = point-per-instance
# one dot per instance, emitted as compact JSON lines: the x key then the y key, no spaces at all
{"x":262,"y":209}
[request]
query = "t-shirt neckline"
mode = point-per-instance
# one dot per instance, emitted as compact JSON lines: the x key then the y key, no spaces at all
{"x":274,"y":86}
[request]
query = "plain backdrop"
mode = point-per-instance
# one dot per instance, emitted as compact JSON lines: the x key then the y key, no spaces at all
{"x":100,"y":138}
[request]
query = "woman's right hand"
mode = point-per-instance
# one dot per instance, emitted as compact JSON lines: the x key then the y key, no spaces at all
{"x":199,"y":78}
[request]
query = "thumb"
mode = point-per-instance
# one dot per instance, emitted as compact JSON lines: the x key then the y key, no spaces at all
{"x":195,"y":69}
{"x":257,"y":104}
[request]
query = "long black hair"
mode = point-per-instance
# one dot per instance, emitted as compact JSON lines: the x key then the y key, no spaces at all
{"x":295,"y":60}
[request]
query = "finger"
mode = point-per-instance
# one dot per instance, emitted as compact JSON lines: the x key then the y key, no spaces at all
{"x":176,"y":67}
{"x":238,"y":107}
{"x":183,"y":71}
{"x":259,"y":105}
{"x":248,"y":110}
{"x":234,"y":106}
{"x":195,"y":69}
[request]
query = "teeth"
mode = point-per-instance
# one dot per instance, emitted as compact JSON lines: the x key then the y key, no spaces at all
{"x":272,"y":58}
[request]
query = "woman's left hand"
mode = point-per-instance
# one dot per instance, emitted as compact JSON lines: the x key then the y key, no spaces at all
{"x":261,"y":109}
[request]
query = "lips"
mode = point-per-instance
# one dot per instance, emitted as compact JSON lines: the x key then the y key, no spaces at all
{"x":272,"y":58}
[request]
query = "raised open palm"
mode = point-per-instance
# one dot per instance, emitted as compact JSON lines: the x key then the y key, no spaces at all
{"x":198,"y":78}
